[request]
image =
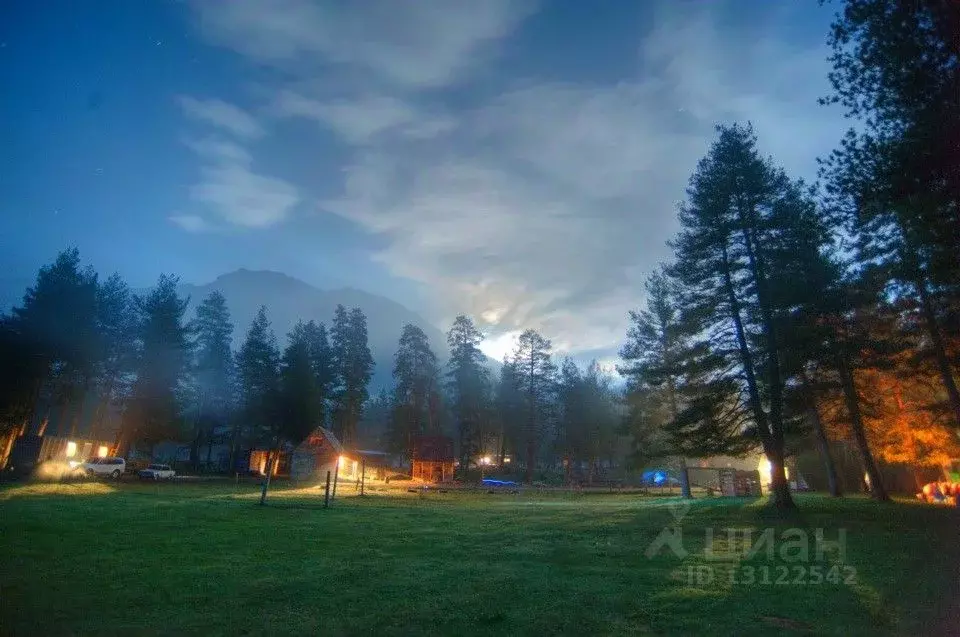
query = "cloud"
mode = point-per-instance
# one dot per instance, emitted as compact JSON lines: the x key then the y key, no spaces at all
{"x":223,"y":115}
{"x":244,"y":198}
{"x":231,"y":189}
{"x":191,"y":223}
{"x":221,"y":150}
{"x":550,"y":203}
{"x":538,"y":204}
{"x":411,"y":43}
{"x":357,"y":121}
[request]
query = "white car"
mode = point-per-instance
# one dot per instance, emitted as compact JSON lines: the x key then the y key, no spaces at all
{"x":157,"y":472}
{"x":105,"y":467}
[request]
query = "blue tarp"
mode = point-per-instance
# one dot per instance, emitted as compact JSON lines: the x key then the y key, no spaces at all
{"x":498,"y":483}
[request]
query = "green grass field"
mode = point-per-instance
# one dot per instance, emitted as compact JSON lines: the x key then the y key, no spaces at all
{"x":132,"y":559}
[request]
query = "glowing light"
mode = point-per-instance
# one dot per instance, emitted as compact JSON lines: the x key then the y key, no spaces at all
{"x":766,"y":471}
{"x":71,"y":449}
{"x":506,"y":460}
{"x":496,"y":347}
{"x":74,"y":464}
{"x":102,"y":451}
{"x":342,"y":460}
{"x":485,"y":460}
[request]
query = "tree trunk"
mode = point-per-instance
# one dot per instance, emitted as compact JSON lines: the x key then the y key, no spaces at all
{"x":8,"y":447}
{"x":684,"y":479}
{"x":940,"y":352}
{"x":823,"y":445}
{"x":823,"y":442}
{"x":266,"y":481}
{"x":195,"y":450}
{"x":852,"y":401}
{"x":771,"y":433}
{"x":234,"y":446}
{"x":503,"y":448}
{"x":778,"y":479}
{"x":531,"y":454}
{"x":682,"y":462}
{"x":209,"y":446}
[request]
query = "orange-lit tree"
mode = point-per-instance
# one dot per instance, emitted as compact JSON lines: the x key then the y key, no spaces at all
{"x":900,"y":426}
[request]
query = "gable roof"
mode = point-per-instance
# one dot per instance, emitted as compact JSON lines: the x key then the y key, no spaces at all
{"x":320,"y":440}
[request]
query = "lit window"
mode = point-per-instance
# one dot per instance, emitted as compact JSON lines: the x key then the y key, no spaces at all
{"x":102,"y":452}
{"x":71,"y":449}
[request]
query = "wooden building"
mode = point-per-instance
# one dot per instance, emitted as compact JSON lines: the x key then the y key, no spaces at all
{"x":316,"y":455}
{"x":433,"y":459}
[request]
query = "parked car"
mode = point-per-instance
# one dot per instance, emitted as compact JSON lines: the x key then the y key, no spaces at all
{"x":157,"y":472}
{"x":105,"y":467}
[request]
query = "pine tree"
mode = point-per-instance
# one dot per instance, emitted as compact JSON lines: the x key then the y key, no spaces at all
{"x":652,"y":357}
{"x":214,"y":370}
{"x":602,"y":415}
{"x":741,"y":273}
{"x":20,"y":378}
{"x":155,"y":409}
{"x":300,"y":393}
{"x":258,"y":370}
{"x":571,"y":432}
{"x":895,"y":180}
{"x":58,"y":323}
{"x":587,"y":419}
{"x":321,"y":361}
{"x":415,"y":394}
{"x":509,"y":406}
{"x":353,"y":365}
{"x":467,"y":385}
{"x":843,"y":329}
{"x":116,"y":334}
{"x":536,"y":379}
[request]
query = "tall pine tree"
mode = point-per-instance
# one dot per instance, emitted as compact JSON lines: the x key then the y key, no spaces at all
{"x":653,"y":366}
{"x":895,"y":178}
{"x":155,"y":409}
{"x":415,"y":403}
{"x":353,"y":369}
{"x":214,"y":371}
{"x":741,"y":274}
{"x":58,"y":324}
{"x":536,"y":380}
{"x":300,"y":392}
{"x":466,"y":385}
{"x":258,"y":370}
{"x":321,"y":361}
{"x":116,"y":333}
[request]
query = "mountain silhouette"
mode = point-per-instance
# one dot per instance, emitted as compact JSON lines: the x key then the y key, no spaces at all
{"x":289,"y":300}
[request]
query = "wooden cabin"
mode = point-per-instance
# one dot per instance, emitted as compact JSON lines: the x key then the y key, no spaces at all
{"x":433,"y":459}
{"x":316,"y":455}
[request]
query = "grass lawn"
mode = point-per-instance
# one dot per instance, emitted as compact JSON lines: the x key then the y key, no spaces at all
{"x":132,"y":559}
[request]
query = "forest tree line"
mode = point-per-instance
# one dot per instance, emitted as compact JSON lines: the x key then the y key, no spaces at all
{"x":76,"y":338}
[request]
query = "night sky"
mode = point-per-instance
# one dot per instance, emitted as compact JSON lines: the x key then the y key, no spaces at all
{"x":517,"y":161}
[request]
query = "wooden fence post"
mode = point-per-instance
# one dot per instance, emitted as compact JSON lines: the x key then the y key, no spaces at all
{"x":336,"y":475}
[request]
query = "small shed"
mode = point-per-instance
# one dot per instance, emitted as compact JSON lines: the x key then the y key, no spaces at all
{"x":432,"y":459}
{"x":316,"y":455}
